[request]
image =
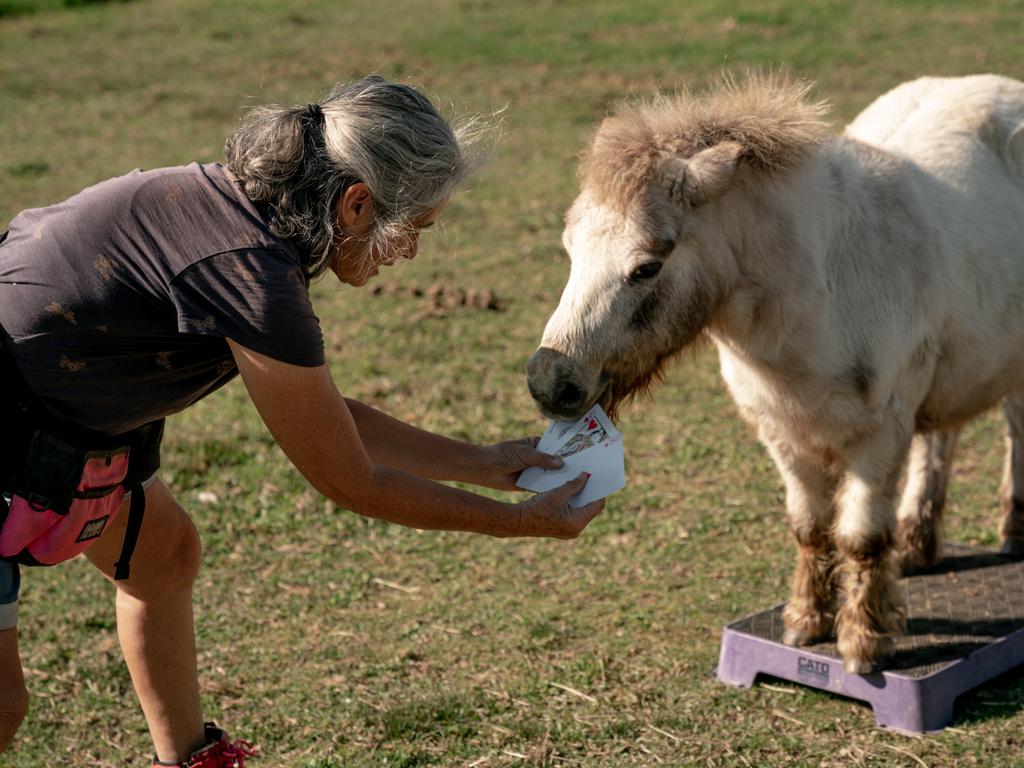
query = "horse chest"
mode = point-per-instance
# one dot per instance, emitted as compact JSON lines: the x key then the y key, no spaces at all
{"x":813,"y":410}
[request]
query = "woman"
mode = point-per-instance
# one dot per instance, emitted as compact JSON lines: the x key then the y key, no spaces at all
{"x":143,"y":294}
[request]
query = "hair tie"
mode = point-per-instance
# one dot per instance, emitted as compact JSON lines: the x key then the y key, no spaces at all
{"x":311,"y":122}
{"x":313,"y":112}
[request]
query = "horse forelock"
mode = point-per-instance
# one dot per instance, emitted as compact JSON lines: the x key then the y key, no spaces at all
{"x":769,"y":115}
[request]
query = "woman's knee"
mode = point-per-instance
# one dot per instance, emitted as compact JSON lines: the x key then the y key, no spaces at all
{"x":186,"y":555}
{"x":167,"y":553}
{"x":172,"y":568}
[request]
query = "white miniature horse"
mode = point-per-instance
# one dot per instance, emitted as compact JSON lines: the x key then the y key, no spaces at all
{"x":865,"y":293}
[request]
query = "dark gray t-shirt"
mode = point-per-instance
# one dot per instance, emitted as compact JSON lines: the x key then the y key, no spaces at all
{"x":118,"y":301}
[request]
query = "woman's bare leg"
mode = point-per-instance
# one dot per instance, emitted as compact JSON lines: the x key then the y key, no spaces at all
{"x":154,"y":619}
{"x":13,"y":696}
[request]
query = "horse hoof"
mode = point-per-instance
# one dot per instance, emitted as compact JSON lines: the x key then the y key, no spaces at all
{"x":797,"y":637}
{"x":910,"y":566}
{"x":911,"y":561}
{"x":794,"y":637}
{"x":1014,"y":548}
{"x":854,"y":667}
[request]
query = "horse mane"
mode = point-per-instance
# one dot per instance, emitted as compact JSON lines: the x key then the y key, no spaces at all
{"x":769,"y":115}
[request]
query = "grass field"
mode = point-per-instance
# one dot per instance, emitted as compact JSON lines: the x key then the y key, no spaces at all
{"x":331,"y":640}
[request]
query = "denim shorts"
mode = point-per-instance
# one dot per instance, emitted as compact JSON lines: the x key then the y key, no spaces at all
{"x":10,"y":582}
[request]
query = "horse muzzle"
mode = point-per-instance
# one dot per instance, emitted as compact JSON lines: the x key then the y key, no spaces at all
{"x":559,"y":385}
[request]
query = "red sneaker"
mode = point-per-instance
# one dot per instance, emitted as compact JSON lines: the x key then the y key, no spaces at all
{"x":218,"y":752}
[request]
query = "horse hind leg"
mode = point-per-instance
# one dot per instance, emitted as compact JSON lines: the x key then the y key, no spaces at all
{"x":1011,"y":491}
{"x":919,"y":517}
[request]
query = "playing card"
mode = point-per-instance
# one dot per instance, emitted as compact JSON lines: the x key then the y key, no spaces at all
{"x":587,"y":432}
{"x":590,"y":444}
{"x":555,"y":435}
{"x":560,"y":432}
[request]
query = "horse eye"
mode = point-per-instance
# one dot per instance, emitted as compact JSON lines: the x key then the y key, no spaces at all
{"x":645,"y":272}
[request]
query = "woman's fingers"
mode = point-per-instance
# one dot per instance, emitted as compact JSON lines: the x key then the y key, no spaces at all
{"x":581,"y":517}
{"x":550,"y":513}
{"x":575,"y":485}
{"x":526,"y":453}
{"x":572,"y":520}
{"x":545,"y":460}
{"x":589,"y":511}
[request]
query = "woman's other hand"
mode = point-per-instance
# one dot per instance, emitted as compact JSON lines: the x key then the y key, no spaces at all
{"x":549,"y":514}
{"x":503,"y":462}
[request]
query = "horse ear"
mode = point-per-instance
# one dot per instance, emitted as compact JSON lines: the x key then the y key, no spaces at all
{"x":695,"y":180}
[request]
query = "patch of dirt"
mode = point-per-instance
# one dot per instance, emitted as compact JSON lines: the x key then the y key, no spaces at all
{"x":440,"y":299}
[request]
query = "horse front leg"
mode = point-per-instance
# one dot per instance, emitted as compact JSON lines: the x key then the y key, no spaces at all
{"x":1011,"y":491}
{"x":809,"y":616}
{"x":872,"y":608}
{"x":919,"y":517}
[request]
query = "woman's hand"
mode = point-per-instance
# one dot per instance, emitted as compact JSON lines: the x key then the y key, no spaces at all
{"x":502,"y":462}
{"x":549,"y":514}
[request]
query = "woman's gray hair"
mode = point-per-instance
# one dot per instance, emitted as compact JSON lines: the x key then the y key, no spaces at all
{"x":299,"y":160}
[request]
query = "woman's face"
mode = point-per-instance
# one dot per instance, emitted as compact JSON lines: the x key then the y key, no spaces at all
{"x":351,"y":263}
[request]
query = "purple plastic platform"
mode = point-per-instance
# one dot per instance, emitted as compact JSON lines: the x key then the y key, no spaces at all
{"x":965,"y":626}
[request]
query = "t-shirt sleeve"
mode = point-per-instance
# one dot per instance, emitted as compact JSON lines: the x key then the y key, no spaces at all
{"x":256,"y":297}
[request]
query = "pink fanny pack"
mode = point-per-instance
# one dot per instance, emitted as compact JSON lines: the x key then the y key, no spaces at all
{"x":61,"y":485}
{"x":64,"y":498}
{"x":36,"y":529}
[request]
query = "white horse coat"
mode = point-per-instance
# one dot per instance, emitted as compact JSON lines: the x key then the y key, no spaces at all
{"x":859,"y":288}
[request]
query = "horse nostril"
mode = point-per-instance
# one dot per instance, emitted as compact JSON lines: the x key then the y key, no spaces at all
{"x":567,"y":396}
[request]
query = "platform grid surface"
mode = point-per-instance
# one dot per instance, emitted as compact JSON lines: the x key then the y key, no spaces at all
{"x":965,"y":625}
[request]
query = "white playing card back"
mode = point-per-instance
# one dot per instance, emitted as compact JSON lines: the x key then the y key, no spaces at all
{"x":589,"y":444}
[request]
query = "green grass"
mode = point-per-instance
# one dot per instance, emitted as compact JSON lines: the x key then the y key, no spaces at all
{"x":598,"y":652}
{"x":25,"y":7}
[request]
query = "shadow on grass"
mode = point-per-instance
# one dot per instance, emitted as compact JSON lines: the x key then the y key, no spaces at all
{"x":1000,"y":698}
{"x":433,"y":718}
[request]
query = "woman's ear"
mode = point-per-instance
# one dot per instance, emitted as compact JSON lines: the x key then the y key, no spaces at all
{"x":355,"y":209}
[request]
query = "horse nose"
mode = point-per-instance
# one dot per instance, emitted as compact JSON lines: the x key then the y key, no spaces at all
{"x":554,"y":385}
{"x":567,"y":397}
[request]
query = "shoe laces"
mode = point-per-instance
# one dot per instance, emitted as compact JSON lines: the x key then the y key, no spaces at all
{"x":240,"y":749}
{"x":228,"y":755}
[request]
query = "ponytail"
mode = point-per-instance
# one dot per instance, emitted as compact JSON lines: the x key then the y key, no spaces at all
{"x":299,"y":160}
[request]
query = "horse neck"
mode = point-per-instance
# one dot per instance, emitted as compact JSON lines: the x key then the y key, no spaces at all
{"x":777,"y":311}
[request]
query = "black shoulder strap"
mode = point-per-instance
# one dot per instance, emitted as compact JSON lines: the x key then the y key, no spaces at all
{"x":136,"y":510}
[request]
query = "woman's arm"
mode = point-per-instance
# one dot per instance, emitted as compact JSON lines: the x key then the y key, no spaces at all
{"x":312,"y":423}
{"x":396,"y":444}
